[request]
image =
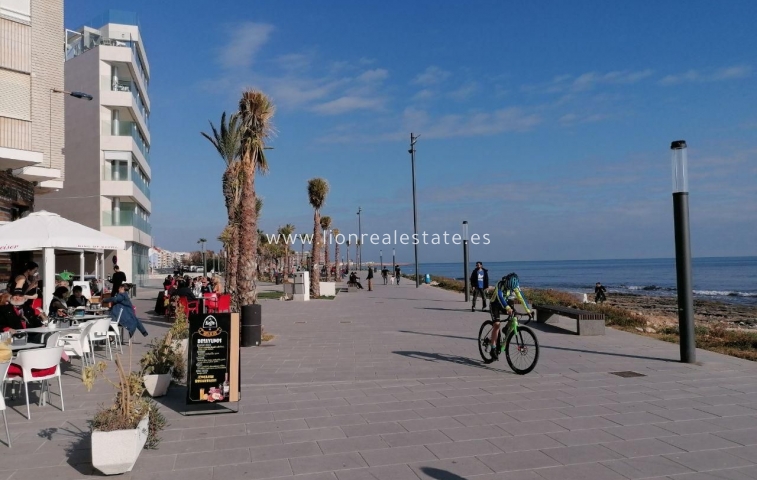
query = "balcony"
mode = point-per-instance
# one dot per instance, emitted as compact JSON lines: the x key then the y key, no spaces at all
{"x":126,"y":218}
{"x":108,"y":83}
{"x":127,"y":128}
{"x":77,"y":44}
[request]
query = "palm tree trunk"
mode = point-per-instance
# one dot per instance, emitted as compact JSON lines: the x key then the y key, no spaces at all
{"x":247,"y":237}
{"x":315,"y":272}
{"x":326,"y":253}
{"x":336,"y":262}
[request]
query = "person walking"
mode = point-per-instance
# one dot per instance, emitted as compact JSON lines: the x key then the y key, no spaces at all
{"x":397,"y":273}
{"x":370,"y":279}
{"x":599,"y":293}
{"x":385,"y":275}
{"x":479,"y":282}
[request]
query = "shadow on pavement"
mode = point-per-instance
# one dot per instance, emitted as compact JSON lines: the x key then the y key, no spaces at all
{"x":439,"y":357}
{"x":438,"y":335}
{"x":461,"y":310}
{"x":78,"y":450}
{"x":439,"y":474}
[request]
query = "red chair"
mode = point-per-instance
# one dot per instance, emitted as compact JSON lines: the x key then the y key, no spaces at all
{"x":192,"y":306}
{"x":224,"y":303}
{"x":211,"y":302}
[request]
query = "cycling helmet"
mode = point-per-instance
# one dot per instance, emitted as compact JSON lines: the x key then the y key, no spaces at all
{"x":511,"y":281}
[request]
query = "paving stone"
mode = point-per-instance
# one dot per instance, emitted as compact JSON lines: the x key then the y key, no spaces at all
{"x":747,"y":453}
{"x":699,"y":441}
{"x":425,"y":437}
{"x":212,"y":459}
{"x":312,"y":434}
{"x":277,"y":426}
{"x":592,"y":471}
{"x":525,"y":460}
{"x":372,"y":429}
{"x":254,"y":470}
{"x":397,"y":455}
{"x":474,"y":433}
{"x":246,"y":441}
{"x":451,"y":469}
{"x":291,"y":450}
{"x":742,"y":437}
{"x":436,"y":423}
{"x":634,"y":418}
{"x":352,"y":444}
{"x":689,"y":427}
{"x":466,"y":448}
{"x":525,"y":442}
{"x":644,"y":467}
{"x":396,"y":416}
{"x":530,"y":428}
{"x":581,"y":454}
{"x":327,"y":463}
{"x":583,"y":437}
{"x":643,"y":447}
{"x":388,"y":472}
{"x":708,"y":460}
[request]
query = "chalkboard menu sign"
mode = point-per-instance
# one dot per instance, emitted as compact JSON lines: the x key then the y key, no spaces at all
{"x":213,"y":358}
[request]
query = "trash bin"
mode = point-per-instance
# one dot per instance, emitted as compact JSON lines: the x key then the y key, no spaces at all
{"x":278,"y":279}
{"x":428,"y":278}
{"x":252,"y":325}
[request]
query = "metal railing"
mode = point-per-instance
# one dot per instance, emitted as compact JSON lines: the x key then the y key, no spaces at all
{"x":127,"y":86}
{"x":126,"y":218}
{"x":127,"y":128}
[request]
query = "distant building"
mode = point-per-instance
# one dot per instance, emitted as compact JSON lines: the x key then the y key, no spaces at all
{"x":108,"y":144}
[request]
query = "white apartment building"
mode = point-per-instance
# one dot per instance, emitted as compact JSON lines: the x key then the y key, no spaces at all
{"x":31,"y":112}
{"x":108,"y":147}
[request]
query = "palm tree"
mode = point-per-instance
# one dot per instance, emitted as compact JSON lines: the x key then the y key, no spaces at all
{"x":325,"y":225}
{"x":226,"y":141}
{"x":318,"y":188}
{"x":286,"y":232}
{"x":336,"y":255}
{"x":255,"y":113}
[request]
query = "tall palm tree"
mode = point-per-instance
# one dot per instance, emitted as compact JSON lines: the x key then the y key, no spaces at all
{"x":286,"y":232}
{"x":325,"y":225}
{"x":318,"y":188}
{"x":336,"y":255}
{"x":255,"y":113}
{"x":226,"y":140}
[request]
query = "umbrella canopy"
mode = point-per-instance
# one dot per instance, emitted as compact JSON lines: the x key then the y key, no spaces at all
{"x":43,"y":229}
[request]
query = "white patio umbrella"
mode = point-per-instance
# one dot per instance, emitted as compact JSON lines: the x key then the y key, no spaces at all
{"x":48,"y":231}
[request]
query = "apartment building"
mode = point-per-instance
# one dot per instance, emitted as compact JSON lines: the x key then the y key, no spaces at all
{"x":31,"y":112}
{"x":108,"y":146}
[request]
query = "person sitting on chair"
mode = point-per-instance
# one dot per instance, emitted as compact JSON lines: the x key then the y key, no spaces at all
{"x":77,"y":299}
{"x":58,"y":306}
{"x":123,"y":311}
{"x":16,"y":315}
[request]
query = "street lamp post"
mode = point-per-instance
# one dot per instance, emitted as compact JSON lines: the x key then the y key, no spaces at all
{"x":394,"y":261}
{"x":359,"y":249}
{"x":81,"y":95}
{"x":348,"y":257}
{"x":465,"y":260}
{"x":202,"y":246}
{"x":381,"y":258}
{"x":684,"y":281}
{"x":414,"y":139}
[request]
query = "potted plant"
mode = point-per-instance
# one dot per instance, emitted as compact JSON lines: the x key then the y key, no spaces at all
{"x":120,"y":431}
{"x":180,"y":332}
{"x":162,"y":362}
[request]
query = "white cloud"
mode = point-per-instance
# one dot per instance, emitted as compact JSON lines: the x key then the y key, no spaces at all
{"x":431,"y":76}
{"x":425,"y":94}
{"x":589,"y":80}
{"x":246,"y":40}
{"x":375,"y":75}
{"x":727,"y":73}
{"x":348,"y":104}
{"x":464,"y":92}
{"x":573,"y":118}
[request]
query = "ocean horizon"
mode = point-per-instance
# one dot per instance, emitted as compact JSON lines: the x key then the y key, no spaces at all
{"x":727,"y":279}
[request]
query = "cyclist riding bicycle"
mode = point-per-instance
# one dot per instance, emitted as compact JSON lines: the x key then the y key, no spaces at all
{"x":503,"y":300}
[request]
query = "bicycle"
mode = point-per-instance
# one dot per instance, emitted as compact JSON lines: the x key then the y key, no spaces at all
{"x":523,"y":355}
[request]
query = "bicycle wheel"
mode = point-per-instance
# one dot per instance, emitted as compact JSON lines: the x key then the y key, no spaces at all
{"x":522,"y":350}
{"x":484,"y":341}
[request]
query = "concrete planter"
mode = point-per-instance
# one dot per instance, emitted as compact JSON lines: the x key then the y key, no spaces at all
{"x":116,"y":452}
{"x":328,"y":289}
{"x":157,"y":384}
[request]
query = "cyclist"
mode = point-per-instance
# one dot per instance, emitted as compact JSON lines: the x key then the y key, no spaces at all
{"x":503,"y":300}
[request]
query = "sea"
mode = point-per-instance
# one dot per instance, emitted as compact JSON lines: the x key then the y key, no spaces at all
{"x":726,"y":279}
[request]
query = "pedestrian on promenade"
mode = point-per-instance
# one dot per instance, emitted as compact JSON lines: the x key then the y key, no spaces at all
{"x":599,"y":293}
{"x":117,"y":279}
{"x":385,"y":275}
{"x":370,"y":279}
{"x":397,"y":273}
{"x":479,"y":282}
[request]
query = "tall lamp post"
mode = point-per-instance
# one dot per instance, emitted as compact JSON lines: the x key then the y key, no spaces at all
{"x":394,"y":261}
{"x":413,"y":139}
{"x":359,"y":249}
{"x":81,"y":95}
{"x":684,"y":281}
{"x":381,"y":258}
{"x":465,"y":260}
{"x":202,"y":246}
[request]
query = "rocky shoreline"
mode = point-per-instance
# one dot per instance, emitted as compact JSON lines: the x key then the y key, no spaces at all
{"x":665,"y":309}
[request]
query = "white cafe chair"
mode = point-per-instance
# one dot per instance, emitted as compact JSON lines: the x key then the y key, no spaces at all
{"x":3,"y":372}
{"x":99,"y":333}
{"x":78,"y":345}
{"x":31,"y":363}
{"x":115,"y":332}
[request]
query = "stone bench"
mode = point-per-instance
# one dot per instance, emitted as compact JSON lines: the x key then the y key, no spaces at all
{"x":589,"y":323}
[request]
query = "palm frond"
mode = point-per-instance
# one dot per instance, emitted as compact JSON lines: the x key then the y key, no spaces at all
{"x":318,"y":188}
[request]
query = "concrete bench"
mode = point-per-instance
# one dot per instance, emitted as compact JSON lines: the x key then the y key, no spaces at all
{"x":589,"y":323}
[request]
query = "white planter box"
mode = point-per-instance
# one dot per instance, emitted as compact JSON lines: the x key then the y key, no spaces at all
{"x":157,"y":385}
{"x":328,"y":289}
{"x":116,"y":452}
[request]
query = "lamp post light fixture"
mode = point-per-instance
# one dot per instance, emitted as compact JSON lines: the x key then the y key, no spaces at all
{"x":80,"y":95}
{"x":465,"y":260}
{"x":684,"y":282}
{"x":413,"y":139}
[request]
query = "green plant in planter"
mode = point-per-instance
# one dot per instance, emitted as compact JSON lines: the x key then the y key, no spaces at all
{"x":129,"y":407}
{"x":162,"y":357}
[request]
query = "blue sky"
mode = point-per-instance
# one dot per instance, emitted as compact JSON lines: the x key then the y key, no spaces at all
{"x":545,"y":124}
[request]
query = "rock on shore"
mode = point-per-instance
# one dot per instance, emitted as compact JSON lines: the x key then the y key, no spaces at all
{"x":665,"y":309}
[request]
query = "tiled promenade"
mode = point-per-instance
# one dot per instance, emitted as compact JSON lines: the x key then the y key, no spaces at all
{"x":388,"y":385}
